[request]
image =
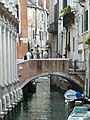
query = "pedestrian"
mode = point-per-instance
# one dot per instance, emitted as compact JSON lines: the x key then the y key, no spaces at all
{"x":45,"y":54}
{"x":28,"y":55}
{"x":25,"y":57}
{"x":58,"y":55}
{"x":38,"y":54}
{"x":31,"y":54}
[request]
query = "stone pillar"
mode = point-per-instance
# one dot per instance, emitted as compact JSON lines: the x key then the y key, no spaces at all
{"x":1,"y":54}
{"x":11,"y":55}
{"x":9,"y":60}
{"x":4,"y":56}
{"x":16,"y":76}
{"x":13,"y":60}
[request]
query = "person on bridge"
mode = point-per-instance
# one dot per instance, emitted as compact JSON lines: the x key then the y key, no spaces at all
{"x":38,"y":55}
{"x":28,"y":55}
{"x":45,"y":54}
{"x":31,"y":54}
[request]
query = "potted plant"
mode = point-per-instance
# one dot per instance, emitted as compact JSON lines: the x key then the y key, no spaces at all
{"x":87,"y":41}
{"x":66,"y":10}
{"x":71,"y":19}
{"x":81,"y":0}
{"x":68,"y":47}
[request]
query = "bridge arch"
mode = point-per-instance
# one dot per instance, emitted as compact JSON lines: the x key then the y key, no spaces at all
{"x":76,"y":84}
{"x":34,"y":68}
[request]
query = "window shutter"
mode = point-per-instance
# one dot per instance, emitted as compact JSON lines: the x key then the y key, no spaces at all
{"x":17,"y":26}
{"x":86,"y":20}
{"x":33,"y":34}
{"x":64,"y":3}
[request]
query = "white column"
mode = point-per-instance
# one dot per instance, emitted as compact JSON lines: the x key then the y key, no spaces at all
{"x":59,"y":36}
{"x":16,"y":77}
{"x":4,"y":57}
{"x":1,"y":54}
{"x":13,"y":42}
{"x":11,"y":72}
{"x":44,"y":4}
{"x":12,"y":57}
{"x":9,"y":60}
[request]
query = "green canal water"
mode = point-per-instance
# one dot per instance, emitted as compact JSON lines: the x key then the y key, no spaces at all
{"x":42,"y":105}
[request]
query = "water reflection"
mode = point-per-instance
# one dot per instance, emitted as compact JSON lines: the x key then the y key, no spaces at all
{"x":43,"y":105}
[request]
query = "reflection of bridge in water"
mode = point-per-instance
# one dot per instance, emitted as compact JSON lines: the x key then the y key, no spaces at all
{"x":32,"y":69}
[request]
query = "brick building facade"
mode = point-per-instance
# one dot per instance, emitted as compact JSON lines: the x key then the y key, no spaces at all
{"x":27,"y":16}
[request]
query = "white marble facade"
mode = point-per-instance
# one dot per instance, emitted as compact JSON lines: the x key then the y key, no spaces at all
{"x":10,"y":92}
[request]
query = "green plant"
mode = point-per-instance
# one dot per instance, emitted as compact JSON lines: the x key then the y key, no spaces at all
{"x":87,"y":41}
{"x":81,"y":0}
{"x":66,"y":10}
{"x":68,"y":47}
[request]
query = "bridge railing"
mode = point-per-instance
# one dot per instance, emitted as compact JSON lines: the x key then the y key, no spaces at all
{"x":77,"y":66}
{"x":30,"y":68}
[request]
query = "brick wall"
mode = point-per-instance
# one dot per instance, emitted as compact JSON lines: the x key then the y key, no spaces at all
{"x":34,"y":67}
{"x":22,"y":47}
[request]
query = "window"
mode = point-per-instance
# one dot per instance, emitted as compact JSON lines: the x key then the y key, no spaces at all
{"x":64,"y":3}
{"x":33,"y":34}
{"x":40,"y":34}
{"x":73,"y":44}
{"x":86,"y":20}
{"x":42,"y":17}
{"x":82,"y":23}
{"x":17,"y":26}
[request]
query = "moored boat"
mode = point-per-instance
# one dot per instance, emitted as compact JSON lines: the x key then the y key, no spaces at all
{"x":79,"y":113}
{"x":70,"y":95}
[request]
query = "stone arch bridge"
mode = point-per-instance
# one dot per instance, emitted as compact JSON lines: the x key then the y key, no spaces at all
{"x":34,"y":68}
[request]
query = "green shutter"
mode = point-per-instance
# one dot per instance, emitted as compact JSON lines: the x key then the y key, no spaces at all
{"x":17,"y":27}
{"x":86,"y":20}
{"x":40,"y":34}
{"x":64,"y":3}
{"x":33,"y":34}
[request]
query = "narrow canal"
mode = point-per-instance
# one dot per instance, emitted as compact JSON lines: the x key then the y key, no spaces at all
{"x":42,"y":105}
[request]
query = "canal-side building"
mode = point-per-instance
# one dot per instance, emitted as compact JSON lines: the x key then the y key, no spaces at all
{"x":22,"y":28}
{"x":53,"y":27}
{"x":73,"y":36}
{"x":32,"y":26}
{"x":84,"y":40}
{"x":37,"y":24}
{"x":10,"y":93}
{"x":61,"y":29}
{"x":68,"y":29}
